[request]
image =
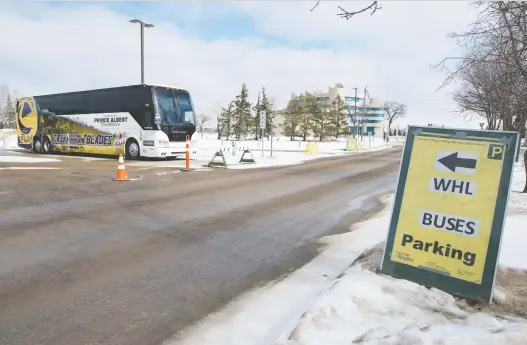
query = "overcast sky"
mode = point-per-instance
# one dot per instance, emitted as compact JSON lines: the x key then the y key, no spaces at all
{"x":211,"y":48}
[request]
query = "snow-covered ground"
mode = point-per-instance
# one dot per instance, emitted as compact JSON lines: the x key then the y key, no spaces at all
{"x":367,"y":308}
{"x":285,"y":151}
{"x":513,"y":252}
{"x":22,"y":159}
{"x":329,"y":301}
{"x":8,"y":139}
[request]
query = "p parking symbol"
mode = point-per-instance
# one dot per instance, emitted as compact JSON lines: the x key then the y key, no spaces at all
{"x":496,"y":151}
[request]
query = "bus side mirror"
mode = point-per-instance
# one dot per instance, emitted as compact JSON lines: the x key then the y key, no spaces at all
{"x":157,"y":120}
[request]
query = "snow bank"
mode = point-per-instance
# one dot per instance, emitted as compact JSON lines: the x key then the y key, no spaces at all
{"x":513,"y":254}
{"x":24,"y":159}
{"x":29,"y":168}
{"x":8,"y":139}
{"x":285,"y":151}
{"x":366,"y":308}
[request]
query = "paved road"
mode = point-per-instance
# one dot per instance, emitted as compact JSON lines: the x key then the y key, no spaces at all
{"x":86,"y":260}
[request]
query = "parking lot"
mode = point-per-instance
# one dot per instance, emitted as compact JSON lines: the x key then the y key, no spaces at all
{"x":85,"y":259}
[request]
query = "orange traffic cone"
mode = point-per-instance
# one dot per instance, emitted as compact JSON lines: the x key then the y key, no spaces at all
{"x":121,"y":170}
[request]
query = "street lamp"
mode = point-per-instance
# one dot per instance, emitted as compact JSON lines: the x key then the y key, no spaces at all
{"x":142,"y":25}
{"x":356,"y":121}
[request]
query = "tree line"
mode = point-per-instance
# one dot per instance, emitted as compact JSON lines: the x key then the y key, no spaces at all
{"x":240,"y":119}
{"x":304,"y":116}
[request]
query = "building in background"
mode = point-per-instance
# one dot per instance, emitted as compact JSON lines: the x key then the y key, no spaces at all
{"x":365,"y":114}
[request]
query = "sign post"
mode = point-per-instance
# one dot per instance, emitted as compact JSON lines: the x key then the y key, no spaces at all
{"x":262,"y":127}
{"x":447,"y":221}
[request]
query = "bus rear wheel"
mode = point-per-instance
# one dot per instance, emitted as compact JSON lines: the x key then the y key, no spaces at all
{"x":41,"y":144}
{"x":132,"y":149}
{"x":46,"y":146}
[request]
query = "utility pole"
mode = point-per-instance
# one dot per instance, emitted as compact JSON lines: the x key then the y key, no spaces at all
{"x":142,"y":25}
{"x":364,"y":107}
{"x":356,"y":121}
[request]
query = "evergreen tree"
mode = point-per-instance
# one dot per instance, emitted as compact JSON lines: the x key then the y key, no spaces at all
{"x":306,"y":120}
{"x":339,"y":121}
{"x":8,"y":113}
{"x":242,"y":114}
{"x":3,"y":115}
{"x":218,"y":126}
{"x":256,"y":119}
{"x":321,"y":117}
{"x":292,"y":118}
{"x":225,"y":120}
{"x":267,"y":106}
{"x":324,"y":122}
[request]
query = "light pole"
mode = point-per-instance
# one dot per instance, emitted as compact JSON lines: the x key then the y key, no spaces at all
{"x":142,"y":25}
{"x":356,"y":121}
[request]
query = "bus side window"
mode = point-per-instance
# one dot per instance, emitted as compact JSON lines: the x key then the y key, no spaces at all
{"x":17,"y":106}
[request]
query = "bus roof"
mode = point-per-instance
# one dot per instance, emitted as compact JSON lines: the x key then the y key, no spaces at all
{"x":113,"y":88}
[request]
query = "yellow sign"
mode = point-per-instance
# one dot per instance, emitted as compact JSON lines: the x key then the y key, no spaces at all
{"x":448,"y":208}
{"x":310,"y":148}
{"x":351,"y":145}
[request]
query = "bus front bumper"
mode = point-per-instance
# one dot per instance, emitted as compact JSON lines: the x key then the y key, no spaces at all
{"x":173,"y":151}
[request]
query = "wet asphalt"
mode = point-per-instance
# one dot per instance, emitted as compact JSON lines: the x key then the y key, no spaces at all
{"x":87,"y":260}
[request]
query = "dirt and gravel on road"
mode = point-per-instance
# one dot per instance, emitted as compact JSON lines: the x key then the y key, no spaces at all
{"x":87,"y":260}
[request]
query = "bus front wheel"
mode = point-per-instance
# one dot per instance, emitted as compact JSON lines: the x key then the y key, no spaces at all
{"x":132,"y":149}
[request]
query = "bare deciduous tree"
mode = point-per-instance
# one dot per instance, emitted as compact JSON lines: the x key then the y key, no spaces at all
{"x":493,"y":72}
{"x":525,"y":164}
{"x":374,"y":6}
{"x":201,"y":120}
{"x":394,"y":111}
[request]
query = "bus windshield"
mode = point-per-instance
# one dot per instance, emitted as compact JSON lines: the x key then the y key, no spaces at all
{"x":185,"y":108}
{"x":175,"y":108}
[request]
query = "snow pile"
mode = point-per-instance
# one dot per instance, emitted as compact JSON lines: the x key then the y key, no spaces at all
{"x":363,"y":307}
{"x":24,"y":159}
{"x":366,"y":308}
{"x":513,"y":253}
{"x":8,"y":139}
